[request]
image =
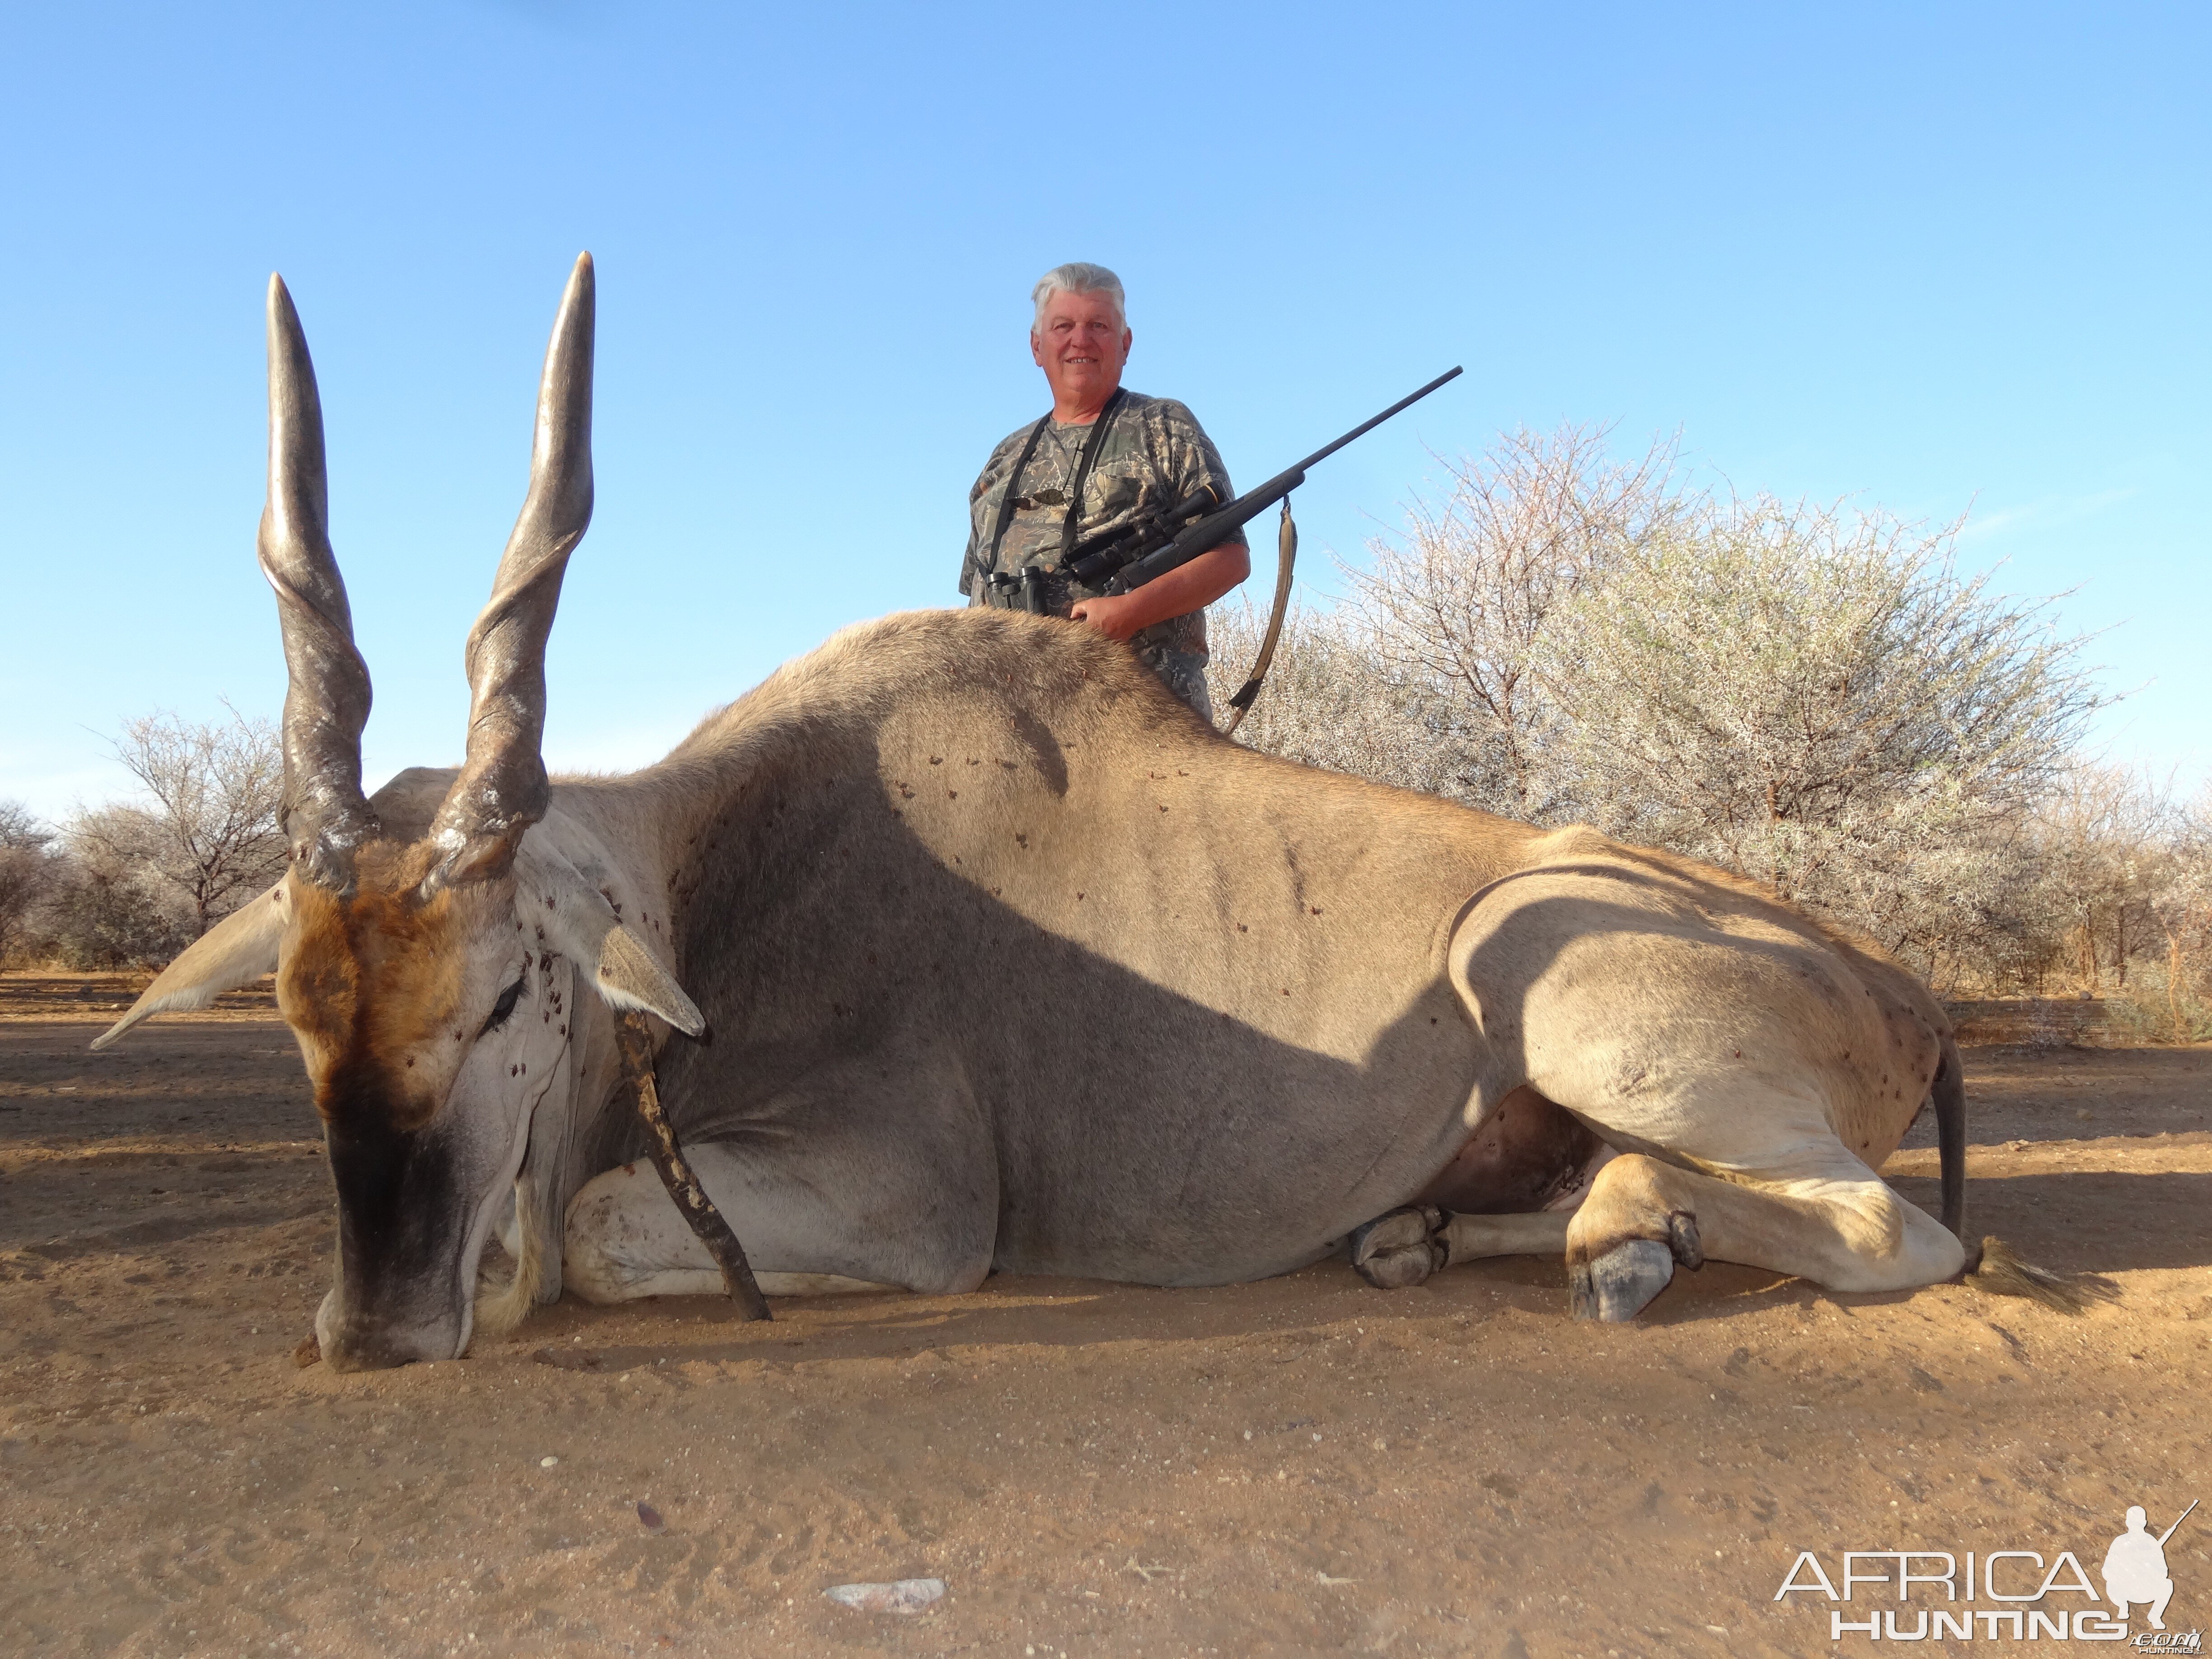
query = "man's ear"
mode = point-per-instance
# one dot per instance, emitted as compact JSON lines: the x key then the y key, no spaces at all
{"x":235,"y":951}
{"x":581,"y":923}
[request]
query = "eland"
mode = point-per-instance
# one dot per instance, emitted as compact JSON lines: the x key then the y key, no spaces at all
{"x":973,"y":950}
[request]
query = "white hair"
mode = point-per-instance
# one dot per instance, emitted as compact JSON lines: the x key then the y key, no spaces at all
{"x":1078,"y":278}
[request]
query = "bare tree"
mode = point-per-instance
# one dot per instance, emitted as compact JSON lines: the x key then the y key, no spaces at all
{"x":2104,"y":835}
{"x":209,"y":830}
{"x":25,"y":872}
{"x":2182,"y":908}
{"x":106,"y":909}
{"x":1814,"y":697}
{"x":1459,"y":600}
{"x":1331,"y":700}
{"x":2127,"y":892}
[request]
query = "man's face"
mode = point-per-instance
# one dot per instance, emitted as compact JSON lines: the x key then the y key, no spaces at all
{"x":1081,"y":346}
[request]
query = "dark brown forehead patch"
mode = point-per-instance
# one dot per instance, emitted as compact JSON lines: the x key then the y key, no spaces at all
{"x":372,"y":981}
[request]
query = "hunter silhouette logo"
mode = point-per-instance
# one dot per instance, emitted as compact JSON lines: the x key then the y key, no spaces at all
{"x":2028,"y":1593}
{"x":2135,"y":1566}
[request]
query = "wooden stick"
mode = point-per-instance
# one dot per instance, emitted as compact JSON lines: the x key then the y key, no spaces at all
{"x":633,"y":1037}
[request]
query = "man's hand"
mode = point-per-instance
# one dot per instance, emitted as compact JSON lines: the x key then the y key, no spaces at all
{"x":1116,"y":616}
{"x":1187,"y":588}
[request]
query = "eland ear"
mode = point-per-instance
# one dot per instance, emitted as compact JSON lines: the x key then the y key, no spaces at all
{"x":237,"y":951}
{"x":579,"y":921}
{"x":630,"y":979}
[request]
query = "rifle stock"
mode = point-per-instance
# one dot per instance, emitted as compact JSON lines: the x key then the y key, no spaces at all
{"x":1206,"y":533}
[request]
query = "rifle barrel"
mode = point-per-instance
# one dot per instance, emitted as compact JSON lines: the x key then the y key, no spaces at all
{"x":2176,"y":1527}
{"x":1366,"y":427}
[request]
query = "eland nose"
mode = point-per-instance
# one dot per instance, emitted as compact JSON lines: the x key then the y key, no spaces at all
{"x":353,"y":1343}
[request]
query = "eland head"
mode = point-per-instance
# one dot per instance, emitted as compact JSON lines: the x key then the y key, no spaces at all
{"x":427,"y":979}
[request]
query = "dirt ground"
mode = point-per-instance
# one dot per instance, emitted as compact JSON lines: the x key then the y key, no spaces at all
{"x":1305,"y":1465}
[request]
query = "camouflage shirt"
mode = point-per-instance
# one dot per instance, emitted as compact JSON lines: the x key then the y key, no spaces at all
{"x":1154,"y":455}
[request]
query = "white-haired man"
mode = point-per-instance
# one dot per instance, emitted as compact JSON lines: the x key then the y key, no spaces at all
{"x":1103,"y":456}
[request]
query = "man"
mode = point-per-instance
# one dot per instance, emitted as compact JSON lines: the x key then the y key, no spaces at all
{"x":1101,"y":458}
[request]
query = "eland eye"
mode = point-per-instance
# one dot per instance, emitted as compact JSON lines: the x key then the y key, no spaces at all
{"x":503,"y":1008}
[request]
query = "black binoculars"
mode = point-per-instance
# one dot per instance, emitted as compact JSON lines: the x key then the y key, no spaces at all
{"x":1025,"y":589}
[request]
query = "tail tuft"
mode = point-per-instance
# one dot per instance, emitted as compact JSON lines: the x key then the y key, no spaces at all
{"x":1947,"y":1092}
{"x":502,"y":1306}
{"x":2003,"y":1272}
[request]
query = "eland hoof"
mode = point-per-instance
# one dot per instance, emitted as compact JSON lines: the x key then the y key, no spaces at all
{"x":1682,"y":1239}
{"x":1619,"y":1284}
{"x":1400,"y":1248}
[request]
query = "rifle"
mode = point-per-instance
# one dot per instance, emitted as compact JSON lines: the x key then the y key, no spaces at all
{"x":1129,"y":556}
{"x":2175,"y":1528}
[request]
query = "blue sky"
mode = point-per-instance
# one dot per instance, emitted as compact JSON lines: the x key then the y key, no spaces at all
{"x":1935,"y":258}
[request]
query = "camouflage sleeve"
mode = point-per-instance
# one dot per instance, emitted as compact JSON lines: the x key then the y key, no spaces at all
{"x":969,"y":559}
{"x":1192,"y":460}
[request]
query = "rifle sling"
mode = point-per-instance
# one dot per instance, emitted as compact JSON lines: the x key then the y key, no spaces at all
{"x":1286,"y":555}
{"x":1069,"y":522}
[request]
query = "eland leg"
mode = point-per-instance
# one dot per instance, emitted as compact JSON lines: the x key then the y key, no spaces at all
{"x":1506,"y":1192}
{"x":1405,"y":1246}
{"x":626,"y":1240}
{"x":1751,"y":1071}
{"x":1839,"y":1226}
{"x":1470,"y":1238}
{"x":829,"y":1187}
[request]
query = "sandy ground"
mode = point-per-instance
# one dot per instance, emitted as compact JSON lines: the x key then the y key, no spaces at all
{"x":1305,"y":1465}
